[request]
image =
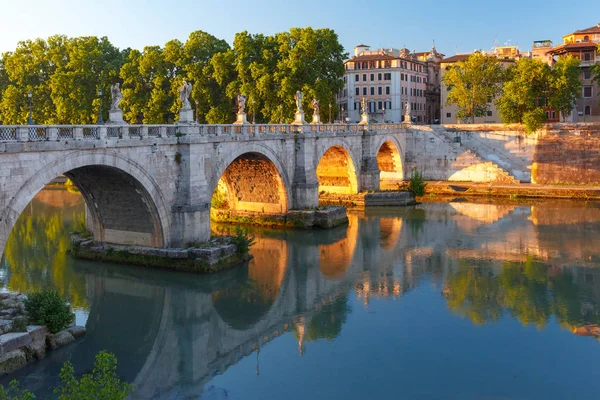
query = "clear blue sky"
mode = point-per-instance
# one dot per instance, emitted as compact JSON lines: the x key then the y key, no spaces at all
{"x":459,"y":25}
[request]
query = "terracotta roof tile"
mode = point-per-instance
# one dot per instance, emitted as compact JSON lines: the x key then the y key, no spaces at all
{"x":593,"y":29}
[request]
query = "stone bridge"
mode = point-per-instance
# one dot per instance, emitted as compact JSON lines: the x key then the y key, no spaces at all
{"x":152,"y":185}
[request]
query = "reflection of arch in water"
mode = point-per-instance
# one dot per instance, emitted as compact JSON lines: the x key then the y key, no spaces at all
{"x":390,"y":229}
{"x":335,"y":258}
{"x":481,"y":214}
{"x":258,"y":287}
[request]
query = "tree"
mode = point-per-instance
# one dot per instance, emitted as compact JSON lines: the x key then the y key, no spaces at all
{"x":473,"y":84}
{"x":525,"y":93}
{"x":565,"y":85}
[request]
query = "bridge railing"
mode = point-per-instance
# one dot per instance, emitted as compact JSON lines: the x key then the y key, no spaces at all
{"x":33,"y":133}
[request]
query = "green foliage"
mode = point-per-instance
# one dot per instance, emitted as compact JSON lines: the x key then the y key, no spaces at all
{"x":417,"y":184}
{"x":220,"y":198}
{"x":15,"y":393}
{"x":565,"y":85}
{"x":19,"y":324}
{"x":525,"y":94}
{"x":473,"y":84}
{"x":242,"y":241}
{"x":102,"y":384}
{"x":534,"y":119}
{"x":48,"y":308}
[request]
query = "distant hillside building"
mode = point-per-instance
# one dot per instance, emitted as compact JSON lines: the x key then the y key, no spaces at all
{"x":388,"y":79}
{"x":583,"y":44}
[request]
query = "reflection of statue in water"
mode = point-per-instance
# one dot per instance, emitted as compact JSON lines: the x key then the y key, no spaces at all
{"x":298,"y":98}
{"x":315,"y":105}
{"x":184,"y":94}
{"x":241,"y":103}
{"x":115,"y":92}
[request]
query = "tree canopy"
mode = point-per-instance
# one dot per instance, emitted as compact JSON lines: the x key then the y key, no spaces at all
{"x":566,"y":85}
{"x":473,"y":84}
{"x":64,"y":75}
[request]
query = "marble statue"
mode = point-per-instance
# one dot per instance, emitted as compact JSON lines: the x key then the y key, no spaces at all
{"x":241,"y":103}
{"x":407,"y":109}
{"x":184,"y":94}
{"x":115,"y":91}
{"x":315,"y":105}
{"x":298,"y":98}
{"x":364,"y":105}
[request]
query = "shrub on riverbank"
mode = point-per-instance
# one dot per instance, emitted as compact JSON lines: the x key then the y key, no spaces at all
{"x":102,"y":384}
{"x":417,"y":183}
{"x":242,"y":241}
{"x":48,"y":308}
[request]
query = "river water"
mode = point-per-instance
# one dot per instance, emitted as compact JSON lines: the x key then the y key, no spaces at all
{"x":439,"y":301}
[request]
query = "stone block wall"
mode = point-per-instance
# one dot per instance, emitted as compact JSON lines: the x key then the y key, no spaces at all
{"x":568,"y":154}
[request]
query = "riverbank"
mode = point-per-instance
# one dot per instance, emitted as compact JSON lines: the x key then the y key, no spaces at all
{"x":22,"y":344}
{"x":322,"y":217}
{"x":374,"y":199}
{"x":511,"y":191}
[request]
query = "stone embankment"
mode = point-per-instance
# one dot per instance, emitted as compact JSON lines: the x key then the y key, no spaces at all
{"x":376,"y":199}
{"x":217,"y":254}
{"x":322,"y":217}
{"x":21,"y":344}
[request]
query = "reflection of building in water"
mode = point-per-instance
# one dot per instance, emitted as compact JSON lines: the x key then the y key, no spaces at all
{"x":336,"y":258}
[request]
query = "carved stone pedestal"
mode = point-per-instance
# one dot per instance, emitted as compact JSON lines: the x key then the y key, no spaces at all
{"x":186,"y":116}
{"x":299,"y":118}
{"x":115,"y":117}
{"x":241,"y":119}
{"x":316,"y":119}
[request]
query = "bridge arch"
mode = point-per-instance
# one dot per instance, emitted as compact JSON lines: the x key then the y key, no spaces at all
{"x":337,"y":168}
{"x":254,"y":179}
{"x":125,"y":204}
{"x":390,"y":161}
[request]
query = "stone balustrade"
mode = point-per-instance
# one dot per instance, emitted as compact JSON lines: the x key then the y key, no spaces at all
{"x":33,"y":133}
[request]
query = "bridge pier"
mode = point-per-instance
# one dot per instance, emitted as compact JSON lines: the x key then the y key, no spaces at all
{"x":305,"y":186}
{"x":368,"y":177}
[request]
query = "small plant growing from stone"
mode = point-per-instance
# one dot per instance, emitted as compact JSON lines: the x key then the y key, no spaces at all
{"x":48,"y":308}
{"x":102,"y":383}
{"x":417,"y":183}
{"x":242,"y":241}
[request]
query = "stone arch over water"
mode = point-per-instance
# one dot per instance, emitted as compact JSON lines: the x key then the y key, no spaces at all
{"x":253,"y":181}
{"x":125,"y":205}
{"x":389,"y":161}
{"x":336,"y":171}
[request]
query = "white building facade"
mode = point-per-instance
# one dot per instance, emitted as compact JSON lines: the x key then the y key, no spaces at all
{"x":387,"y":79}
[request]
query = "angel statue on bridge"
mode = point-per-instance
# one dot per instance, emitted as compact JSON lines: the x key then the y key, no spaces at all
{"x":115,"y":92}
{"x":184,"y":94}
{"x":315,"y":105}
{"x":298,"y":98}
{"x":241,"y":99}
{"x":363,"y":105}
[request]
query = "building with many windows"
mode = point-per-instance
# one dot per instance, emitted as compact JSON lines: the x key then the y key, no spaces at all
{"x":388,"y":79}
{"x":583,"y":44}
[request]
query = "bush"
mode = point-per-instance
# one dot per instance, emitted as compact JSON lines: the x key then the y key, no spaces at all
{"x":48,"y":308}
{"x":417,"y":183}
{"x":102,"y":384}
{"x":15,"y":393}
{"x":242,"y":241}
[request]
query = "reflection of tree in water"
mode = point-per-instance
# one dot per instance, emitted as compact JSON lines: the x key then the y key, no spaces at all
{"x":530,"y":291}
{"x":35,"y":253}
{"x":326,"y":322}
{"x":415,"y":219}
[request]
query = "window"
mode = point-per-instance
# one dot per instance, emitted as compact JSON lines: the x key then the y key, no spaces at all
{"x":357,"y":91}
{"x":587,"y":91}
{"x":587,"y":56}
{"x":387,"y":76}
{"x":356,"y":105}
{"x":489,"y":113}
{"x":380,"y":105}
{"x":379,"y":76}
{"x":372,"y":77}
{"x":588,"y":110}
{"x":448,"y":115}
{"x":372,"y":91}
{"x":357,"y":66}
{"x":344,"y":78}
{"x":587,"y":73}
{"x":387,"y":90}
{"x":364,"y":77}
{"x":364,"y":91}
{"x":345,"y":92}
{"x":356,"y":78}
{"x":380,"y":90}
